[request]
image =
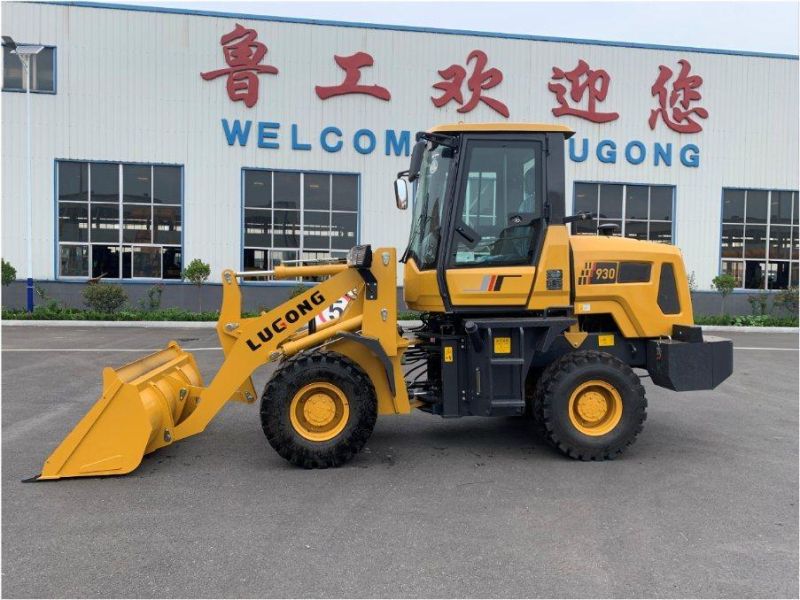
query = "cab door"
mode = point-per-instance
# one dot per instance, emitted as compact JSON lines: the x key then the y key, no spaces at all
{"x":496,"y":222}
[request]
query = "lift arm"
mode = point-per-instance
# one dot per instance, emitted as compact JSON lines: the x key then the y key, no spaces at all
{"x":159,"y":399}
{"x":248,"y":343}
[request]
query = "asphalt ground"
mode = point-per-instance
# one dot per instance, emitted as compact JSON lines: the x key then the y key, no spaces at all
{"x":705,"y":504}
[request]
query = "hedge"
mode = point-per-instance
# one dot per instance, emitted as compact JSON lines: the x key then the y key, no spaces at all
{"x":55,"y":313}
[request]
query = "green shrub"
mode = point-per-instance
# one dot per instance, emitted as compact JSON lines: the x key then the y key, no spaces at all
{"x":153,"y":300}
{"x":759,"y":303}
{"x":408,"y":315}
{"x":45,"y":299}
{"x":764,"y":321}
{"x":787,"y":300}
{"x":54,"y":312}
{"x":9,"y":272}
{"x":298,"y":289}
{"x":747,"y":320}
{"x":196,"y":273}
{"x":104,"y":297}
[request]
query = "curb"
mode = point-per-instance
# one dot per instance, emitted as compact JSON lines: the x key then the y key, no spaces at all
{"x":213,"y":324}
{"x":139,"y":324}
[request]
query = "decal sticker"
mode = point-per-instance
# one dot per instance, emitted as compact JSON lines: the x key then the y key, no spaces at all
{"x":465,"y":256}
{"x":335,"y":310}
{"x":492,"y":283}
{"x":598,"y":272}
{"x":502,"y":345}
{"x":448,"y":354}
{"x":605,"y":340}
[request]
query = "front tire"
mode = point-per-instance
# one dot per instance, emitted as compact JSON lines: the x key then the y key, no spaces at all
{"x":591,"y":405}
{"x":318,"y":410}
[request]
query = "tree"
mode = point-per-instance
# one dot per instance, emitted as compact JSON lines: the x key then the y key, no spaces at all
{"x":9,"y":272}
{"x":196,"y":273}
{"x":692,"y":282}
{"x":724,"y":284}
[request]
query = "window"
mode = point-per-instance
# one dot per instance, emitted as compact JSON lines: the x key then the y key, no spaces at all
{"x":292,"y":216}
{"x":759,"y":239}
{"x":121,"y":221}
{"x":500,"y":205}
{"x":642,"y":212}
{"x":43,"y":71}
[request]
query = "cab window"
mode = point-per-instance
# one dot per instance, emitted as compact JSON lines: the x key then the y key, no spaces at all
{"x":500,"y":204}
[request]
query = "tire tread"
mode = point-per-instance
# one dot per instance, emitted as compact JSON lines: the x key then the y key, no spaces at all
{"x":277,"y":396}
{"x":562,"y":369}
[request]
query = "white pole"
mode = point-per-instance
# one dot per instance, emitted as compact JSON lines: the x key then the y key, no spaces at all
{"x":30,"y":184}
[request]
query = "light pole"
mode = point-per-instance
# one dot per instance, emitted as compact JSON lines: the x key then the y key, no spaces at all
{"x":24,"y":52}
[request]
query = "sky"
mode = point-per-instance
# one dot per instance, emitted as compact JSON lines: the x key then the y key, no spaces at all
{"x":751,"y":26}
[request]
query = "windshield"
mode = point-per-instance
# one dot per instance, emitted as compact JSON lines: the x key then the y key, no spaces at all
{"x":434,"y":175}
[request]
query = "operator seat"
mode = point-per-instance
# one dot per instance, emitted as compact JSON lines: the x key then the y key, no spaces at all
{"x":517,"y":241}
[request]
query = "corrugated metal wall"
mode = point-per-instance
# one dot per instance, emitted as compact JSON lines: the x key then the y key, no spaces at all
{"x":129,"y":89}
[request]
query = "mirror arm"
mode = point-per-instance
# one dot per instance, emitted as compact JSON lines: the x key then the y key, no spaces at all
{"x":581,"y":216}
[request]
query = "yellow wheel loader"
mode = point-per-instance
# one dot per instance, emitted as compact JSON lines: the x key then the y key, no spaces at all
{"x":518,"y":318}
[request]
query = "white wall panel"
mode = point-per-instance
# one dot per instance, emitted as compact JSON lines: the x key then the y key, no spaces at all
{"x":129,"y":89}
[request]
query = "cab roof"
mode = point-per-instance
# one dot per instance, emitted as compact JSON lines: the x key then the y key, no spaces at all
{"x":503,"y":127}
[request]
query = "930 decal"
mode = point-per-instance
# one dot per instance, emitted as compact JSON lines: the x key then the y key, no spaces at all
{"x":598,"y":272}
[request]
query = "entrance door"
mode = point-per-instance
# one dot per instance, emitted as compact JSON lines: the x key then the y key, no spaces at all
{"x":497,"y":223}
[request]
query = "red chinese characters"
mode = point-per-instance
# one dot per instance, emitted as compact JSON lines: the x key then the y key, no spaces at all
{"x":352,"y":66}
{"x":582,"y":79}
{"x":243,"y":54}
{"x":675,"y":106}
{"x":480,"y":80}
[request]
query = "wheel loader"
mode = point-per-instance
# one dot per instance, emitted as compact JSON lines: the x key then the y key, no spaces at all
{"x":518,"y":317}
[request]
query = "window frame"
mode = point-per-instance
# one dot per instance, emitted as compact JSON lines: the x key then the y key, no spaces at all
{"x":22,"y":90}
{"x":623,"y":216}
{"x":120,"y":244}
{"x":300,"y":250}
{"x":793,"y":225}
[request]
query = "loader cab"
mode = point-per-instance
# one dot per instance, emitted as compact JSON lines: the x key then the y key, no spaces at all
{"x":484,"y":196}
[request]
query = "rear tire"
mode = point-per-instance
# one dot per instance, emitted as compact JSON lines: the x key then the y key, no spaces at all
{"x":591,"y":405}
{"x":318,"y":410}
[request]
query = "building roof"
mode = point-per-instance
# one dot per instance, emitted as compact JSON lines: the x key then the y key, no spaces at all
{"x":390,"y":27}
{"x":505,"y":127}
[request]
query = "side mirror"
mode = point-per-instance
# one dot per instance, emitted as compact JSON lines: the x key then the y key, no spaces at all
{"x":416,"y":159}
{"x":401,"y":193}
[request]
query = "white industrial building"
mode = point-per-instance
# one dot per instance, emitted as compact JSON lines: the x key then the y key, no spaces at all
{"x":163,"y":135}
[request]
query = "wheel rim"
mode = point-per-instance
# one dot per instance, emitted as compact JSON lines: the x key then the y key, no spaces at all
{"x":595,"y":407}
{"x":319,"y":411}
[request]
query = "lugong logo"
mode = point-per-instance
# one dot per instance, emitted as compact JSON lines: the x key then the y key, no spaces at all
{"x":280,"y":324}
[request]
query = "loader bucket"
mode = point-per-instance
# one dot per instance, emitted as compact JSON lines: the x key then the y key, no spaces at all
{"x":136,"y":414}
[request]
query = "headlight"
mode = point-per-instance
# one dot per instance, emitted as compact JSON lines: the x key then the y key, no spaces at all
{"x":360,"y":257}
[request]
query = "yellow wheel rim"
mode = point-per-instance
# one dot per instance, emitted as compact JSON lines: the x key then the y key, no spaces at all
{"x":319,"y":411}
{"x":595,"y":407}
